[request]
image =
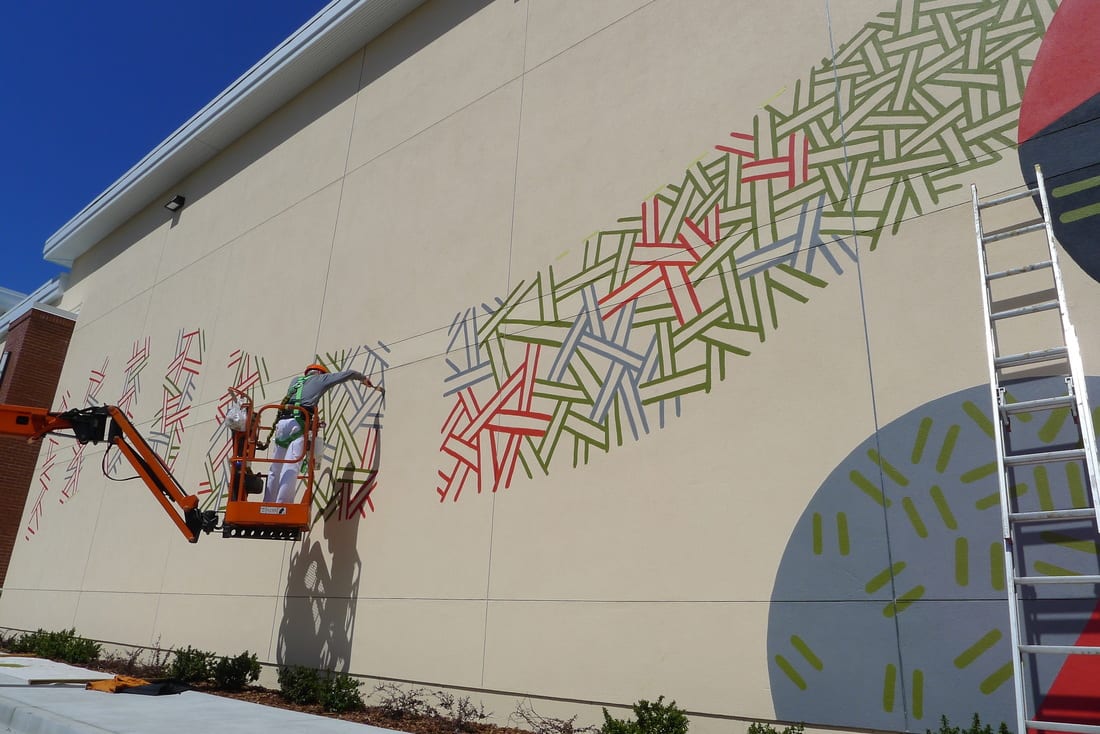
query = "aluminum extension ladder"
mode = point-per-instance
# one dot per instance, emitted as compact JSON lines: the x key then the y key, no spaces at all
{"x":1004,"y":369}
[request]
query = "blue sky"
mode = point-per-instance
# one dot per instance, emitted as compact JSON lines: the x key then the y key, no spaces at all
{"x":91,"y":87}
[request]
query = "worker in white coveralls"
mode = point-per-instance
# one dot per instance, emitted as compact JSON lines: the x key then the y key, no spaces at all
{"x":290,"y":440}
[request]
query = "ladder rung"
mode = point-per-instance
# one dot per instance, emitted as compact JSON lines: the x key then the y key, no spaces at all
{"x":1028,"y":406}
{"x":1059,"y":726}
{"x":1040,"y":355}
{"x":1032,"y":225}
{"x":1043,"y":515}
{"x":1044,"y":457}
{"x":1041,"y":580}
{"x":1019,"y":270}
{"x":1023,"y":310}
{"x":1007,"y":198}
{"x":1060,"y":649}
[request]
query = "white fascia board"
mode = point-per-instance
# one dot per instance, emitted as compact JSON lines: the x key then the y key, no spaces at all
{"x":327,"y":39}
{"x":47,"y":294}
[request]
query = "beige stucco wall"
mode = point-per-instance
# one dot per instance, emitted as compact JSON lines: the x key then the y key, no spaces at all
{"x":470,"y":148}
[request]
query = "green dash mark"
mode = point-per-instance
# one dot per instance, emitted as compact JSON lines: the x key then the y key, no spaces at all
{"x":1022,"y":417}
{"x":1049,"y":569}
{"x":962,"y":562}
{"x":918,"y":694}
{"x":1076,"y":485}
{"x":944,"y":509}
{"x":1042,"y":487}
{"x":996,"y":567}
{"x":914,"y":517}
{"x":903,"y":602}
{"x":979,"y":648}
{"x":1053,"y":424}
{"x":882,"y":578}
{"x":889,"y":684}
{"x":997,"y":679}
{"x":805,"y":651}
{"x":1076,"y":215}
{"x":1076,"y":187}
{"x":979,"y":472}
{"x":791,"y":673}
{"x":947,"y":448}
{"x":1068,"y":541}
{"x":888,"y":468}
{"x":818,"y":543}
{"x":979,"y":417}
{"x":922,"y":440}
{"x":842,"y":542}
{"x":864,"y":485}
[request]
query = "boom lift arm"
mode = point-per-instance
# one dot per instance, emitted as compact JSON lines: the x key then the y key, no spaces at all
{"x":109,"y":423}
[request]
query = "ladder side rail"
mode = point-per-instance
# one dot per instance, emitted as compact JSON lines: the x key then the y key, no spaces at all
{"x":1073,"y":347}
{"x":1011,"y":588}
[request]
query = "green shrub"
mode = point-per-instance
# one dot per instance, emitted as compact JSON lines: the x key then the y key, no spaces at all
{"x":300,"y":685}
{"x":341,"y":693}
{"x":761,"y":728}
{"x":651,"y":718}
{"x":66,"y":646}
{"x":191,"y":665}
{"x":233,"y":674}
{"x":976,"y":727}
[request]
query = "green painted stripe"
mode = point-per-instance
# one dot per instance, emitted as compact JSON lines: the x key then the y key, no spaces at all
{"x":914,"y":517}
{"x":1023,"y":417}
{"x":818,"y":543}
{"x":996,"y":567}
{"x":1042,"y":488}
{"x":842,"y":540}
{"x":805,"y":651}
{"x":790,"y":672}
{"x":864,"y":485}
{"x":999,"y":677}
{"x":962,"y":562}
{"x":947,"y":448}
{"x":944,"y":510}
{"x":1069,"y":542}
{"x":889,"y":685}
{"x":1076,"y":481}
{"x":1049,"y":569}
{"x":883,"y":577}
{"x":1072,"y":188}
{"x":1053,"y":424}
{"x":979,"y":417}
{"x":1076,"y":215}
{"x":921,"y":440}
{"x":918,"y":694}
{"x":979,"y":472}
{"x":979,"y":648}
{"x":903,"y":602}
{"x":888,"y":468}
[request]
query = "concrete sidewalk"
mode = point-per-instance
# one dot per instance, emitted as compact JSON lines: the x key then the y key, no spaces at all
{"x":68,"y":708}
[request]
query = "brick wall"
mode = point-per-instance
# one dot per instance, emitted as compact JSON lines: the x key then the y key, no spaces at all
{"x":36,"y":345}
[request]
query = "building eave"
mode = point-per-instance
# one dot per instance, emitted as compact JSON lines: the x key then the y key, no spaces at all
{"x":310,"y":52}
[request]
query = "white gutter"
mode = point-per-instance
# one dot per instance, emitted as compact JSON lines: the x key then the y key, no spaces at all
{"x":47,"y":294}
{"x":328,"y":38}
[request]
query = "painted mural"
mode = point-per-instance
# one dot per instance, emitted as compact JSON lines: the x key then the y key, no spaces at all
{"x":906,"y":530}
{"x":1060,"y":127}
{"x":569,"y":363}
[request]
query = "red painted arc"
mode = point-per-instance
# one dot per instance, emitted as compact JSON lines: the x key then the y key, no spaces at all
{"x":1065,"y":71}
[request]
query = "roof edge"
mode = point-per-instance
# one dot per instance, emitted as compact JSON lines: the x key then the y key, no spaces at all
{"x":184,"y":150}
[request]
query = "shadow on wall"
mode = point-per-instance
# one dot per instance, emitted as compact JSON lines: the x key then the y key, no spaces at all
{"x":322,"y":587}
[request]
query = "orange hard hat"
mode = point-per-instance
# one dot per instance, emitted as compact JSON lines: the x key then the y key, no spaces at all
{"x":316,"y":366}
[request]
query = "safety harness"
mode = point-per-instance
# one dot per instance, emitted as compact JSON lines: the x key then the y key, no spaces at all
{"x":294,"y":398}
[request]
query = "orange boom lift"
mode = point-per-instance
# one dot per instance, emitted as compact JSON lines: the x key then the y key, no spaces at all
{"x":243,"y":519}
